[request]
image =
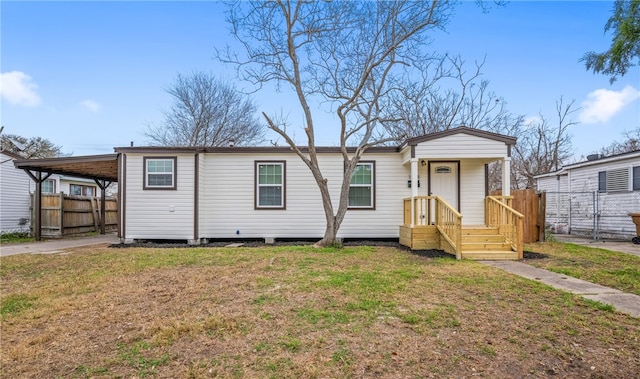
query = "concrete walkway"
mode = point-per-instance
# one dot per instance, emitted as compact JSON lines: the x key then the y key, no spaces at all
{"x":52,"y":246}
{"x":623,"y":302}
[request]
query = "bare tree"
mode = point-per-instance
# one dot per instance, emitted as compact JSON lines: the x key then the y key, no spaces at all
{"x":543,"y":147}
{"x":207,"y":112}
{"x":630,"y":142}
{"x":33,"y":147}
{"x":348,"y":54}
{"x":448,"y":95}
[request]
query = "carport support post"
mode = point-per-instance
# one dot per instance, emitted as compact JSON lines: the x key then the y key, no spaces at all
{"x":103,"y":184}
{"x":38,"y":205}
{"x":37,"y":202}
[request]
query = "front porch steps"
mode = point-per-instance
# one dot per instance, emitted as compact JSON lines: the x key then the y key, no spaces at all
{"x":482,"y":242}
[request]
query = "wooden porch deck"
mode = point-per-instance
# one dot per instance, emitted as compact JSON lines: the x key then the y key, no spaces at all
{"x":500,"y":240}
{"x":478,"y":242}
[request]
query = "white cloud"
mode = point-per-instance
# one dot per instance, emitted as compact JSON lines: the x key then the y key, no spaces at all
{"x":602,"y":104}
{"x":18,"y":88}
{"x":91,"y":105}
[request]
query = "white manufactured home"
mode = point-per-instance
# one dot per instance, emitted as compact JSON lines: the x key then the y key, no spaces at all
{"x":430,"y":193}
{"x":594,"y":197}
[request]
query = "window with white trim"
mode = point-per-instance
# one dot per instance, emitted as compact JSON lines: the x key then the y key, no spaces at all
{"x":636,"y":178}
{"x":361,"y":189}
{"x":160,"y":173}
{"x":48,"y":186}
{"x":80,"y":190}
{"x":270,"y":185}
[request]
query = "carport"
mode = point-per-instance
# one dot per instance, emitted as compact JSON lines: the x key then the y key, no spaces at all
{"x":103,"y":169}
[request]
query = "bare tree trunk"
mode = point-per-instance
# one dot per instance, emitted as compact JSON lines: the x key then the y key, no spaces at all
{"x":351,"y":55}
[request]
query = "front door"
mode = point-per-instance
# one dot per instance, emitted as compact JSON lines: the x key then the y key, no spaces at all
{"x":443,"y":182}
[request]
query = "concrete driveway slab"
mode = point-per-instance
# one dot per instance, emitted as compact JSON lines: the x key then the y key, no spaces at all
{"x":56,"y":245}
{"x":613,"y":245}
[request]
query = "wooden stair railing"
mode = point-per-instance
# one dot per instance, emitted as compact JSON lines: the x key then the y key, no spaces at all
{"x":508,"y":221}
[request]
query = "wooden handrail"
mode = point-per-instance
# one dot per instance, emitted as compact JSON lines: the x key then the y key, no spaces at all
{"x":508,"y":221}
{"x":504,"y":199}
{"x":423,"y":214}
{"x":434,"y":210}
{"x":449,"y":224}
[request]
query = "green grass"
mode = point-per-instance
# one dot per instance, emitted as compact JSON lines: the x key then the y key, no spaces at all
{"x":288,"y":312}
{"x":15,"y":237}
{"x":291,"y":344}
{"x":608,"y":268}
{"x":137,"y":355}
{"x":15,"y":304}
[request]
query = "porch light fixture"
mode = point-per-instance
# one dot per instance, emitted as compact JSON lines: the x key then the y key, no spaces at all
{"x":423,"y":162}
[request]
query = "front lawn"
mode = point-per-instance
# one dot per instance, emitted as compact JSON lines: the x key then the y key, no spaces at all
{"x":296,"y":312}
{"x":608,"y":268}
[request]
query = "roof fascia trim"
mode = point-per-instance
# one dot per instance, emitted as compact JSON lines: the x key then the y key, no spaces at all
{"x":461,"y":129}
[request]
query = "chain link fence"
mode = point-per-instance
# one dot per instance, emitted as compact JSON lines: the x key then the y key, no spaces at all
{"x":589,"y":214}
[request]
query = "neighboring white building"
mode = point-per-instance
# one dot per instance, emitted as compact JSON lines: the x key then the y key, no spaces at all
{"x":594,"y":197}
{"x":14,"y":195}
{"x":68,"y":185}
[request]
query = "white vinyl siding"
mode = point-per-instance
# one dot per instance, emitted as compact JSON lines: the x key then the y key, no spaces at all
{"x":613,"y":206}
{"x":390,"y":187}
{"x":472,"y":191}
{"x":14,"y":196}
{"x":460,"y":146}
{"x":227,"y":207}
{"x":159,"y":214}
{"x":557,"y":199}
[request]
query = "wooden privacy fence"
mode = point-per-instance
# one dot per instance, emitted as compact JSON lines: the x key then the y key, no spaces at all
{"x":532,"y":205}
{"x":64,"y":215}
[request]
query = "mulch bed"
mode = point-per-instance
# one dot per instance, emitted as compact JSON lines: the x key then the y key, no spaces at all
{"x":433,"y":253}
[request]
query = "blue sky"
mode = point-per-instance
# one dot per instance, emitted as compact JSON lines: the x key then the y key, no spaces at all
{"x":91,"y":76}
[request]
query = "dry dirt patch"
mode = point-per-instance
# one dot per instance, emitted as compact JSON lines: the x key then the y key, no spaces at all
{"x":297,"y":312}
